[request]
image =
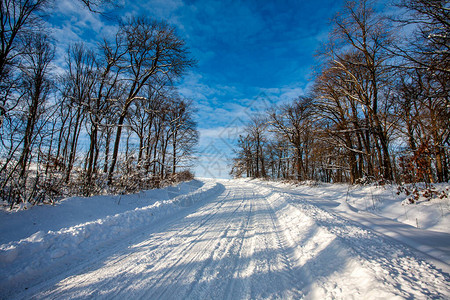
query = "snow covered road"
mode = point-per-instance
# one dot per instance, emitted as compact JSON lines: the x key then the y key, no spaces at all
{"x":245,"y":240}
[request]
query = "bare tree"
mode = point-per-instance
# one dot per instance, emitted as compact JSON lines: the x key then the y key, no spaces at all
{"x":429,"y":46}
{"x":79,"y":82}
{"x":256,"y":132}
{"x":36,"y":84}
{"x":293,"y":122}
{"x":28,"y":121}
{"x":19,"y":18}
{"x":243,"y":162}
{"x":183,"y":129}
{"x":345,"y":123}
{"x":358,"y":48}
{"x":425,"y":83}
{"x":153,"y":48}
{"x":105,"y":93}
{"x":374,"y":99}
{"x":97,"y":6}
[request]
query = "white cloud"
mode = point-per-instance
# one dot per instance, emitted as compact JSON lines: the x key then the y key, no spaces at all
{"x":286,"y":93}
{"x":192,"y":87}
{"x":71,"y":22}
{"x":222,"y":132}
{"x":76,"y":15}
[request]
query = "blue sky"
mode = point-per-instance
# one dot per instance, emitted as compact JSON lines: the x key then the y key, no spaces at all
{"x":251,"y":55}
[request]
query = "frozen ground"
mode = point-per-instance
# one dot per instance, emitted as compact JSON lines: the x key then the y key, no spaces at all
{"x":229,"y":239}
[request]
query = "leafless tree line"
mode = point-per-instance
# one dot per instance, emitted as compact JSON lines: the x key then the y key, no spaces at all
{"x":111,"y":119}
{"x":379,"y":109}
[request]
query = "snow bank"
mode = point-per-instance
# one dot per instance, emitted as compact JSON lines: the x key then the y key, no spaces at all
{"x":338,"y":255}
{"x":384,"y":201}
{"x":17,"y":225}
{"x":378,"y":200}
{"x":381,"y":210}
{"x":29,"y":259}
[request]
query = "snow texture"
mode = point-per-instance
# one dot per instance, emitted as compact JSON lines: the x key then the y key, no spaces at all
{"x":226,"y":239}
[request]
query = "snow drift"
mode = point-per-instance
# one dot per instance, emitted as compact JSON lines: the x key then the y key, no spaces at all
{"x":35,"y":257}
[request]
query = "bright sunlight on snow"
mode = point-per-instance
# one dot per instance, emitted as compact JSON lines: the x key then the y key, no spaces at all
{"x":233,"y":239}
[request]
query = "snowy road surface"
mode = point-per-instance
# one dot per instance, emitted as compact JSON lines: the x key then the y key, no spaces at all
{"x":242,"y":240}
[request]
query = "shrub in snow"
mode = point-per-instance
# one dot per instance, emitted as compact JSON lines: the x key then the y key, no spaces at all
{"x":417,"y":193}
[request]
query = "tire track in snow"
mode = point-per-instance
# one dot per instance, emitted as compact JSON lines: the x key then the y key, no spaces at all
{"x":169,"y":247}
{"x":252,"y":241}
{"x":329,"y":247}
{"x":221,"y":262}
{"x":208,"y":228}
{"x":287,"y":255}
{"x":178,"y":253}
{"x":247,"y":233}
{"x":161,"y":243}
{"x":266,"y":271}
{"x":172,"y":248}
{"x":386,"y":261}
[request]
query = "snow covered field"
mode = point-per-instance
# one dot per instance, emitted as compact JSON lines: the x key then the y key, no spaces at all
{"x":232,"y":239}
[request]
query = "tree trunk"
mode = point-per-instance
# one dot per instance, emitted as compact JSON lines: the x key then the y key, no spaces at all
{"x":116,"y":146}
{"x":73,"y":148}
{"x":91,"y":154}
{"x":174,"y":145}
{"x":107,"y":143}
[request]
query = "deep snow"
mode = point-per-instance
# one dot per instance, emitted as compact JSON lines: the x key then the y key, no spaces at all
{"x":229,"y":239}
